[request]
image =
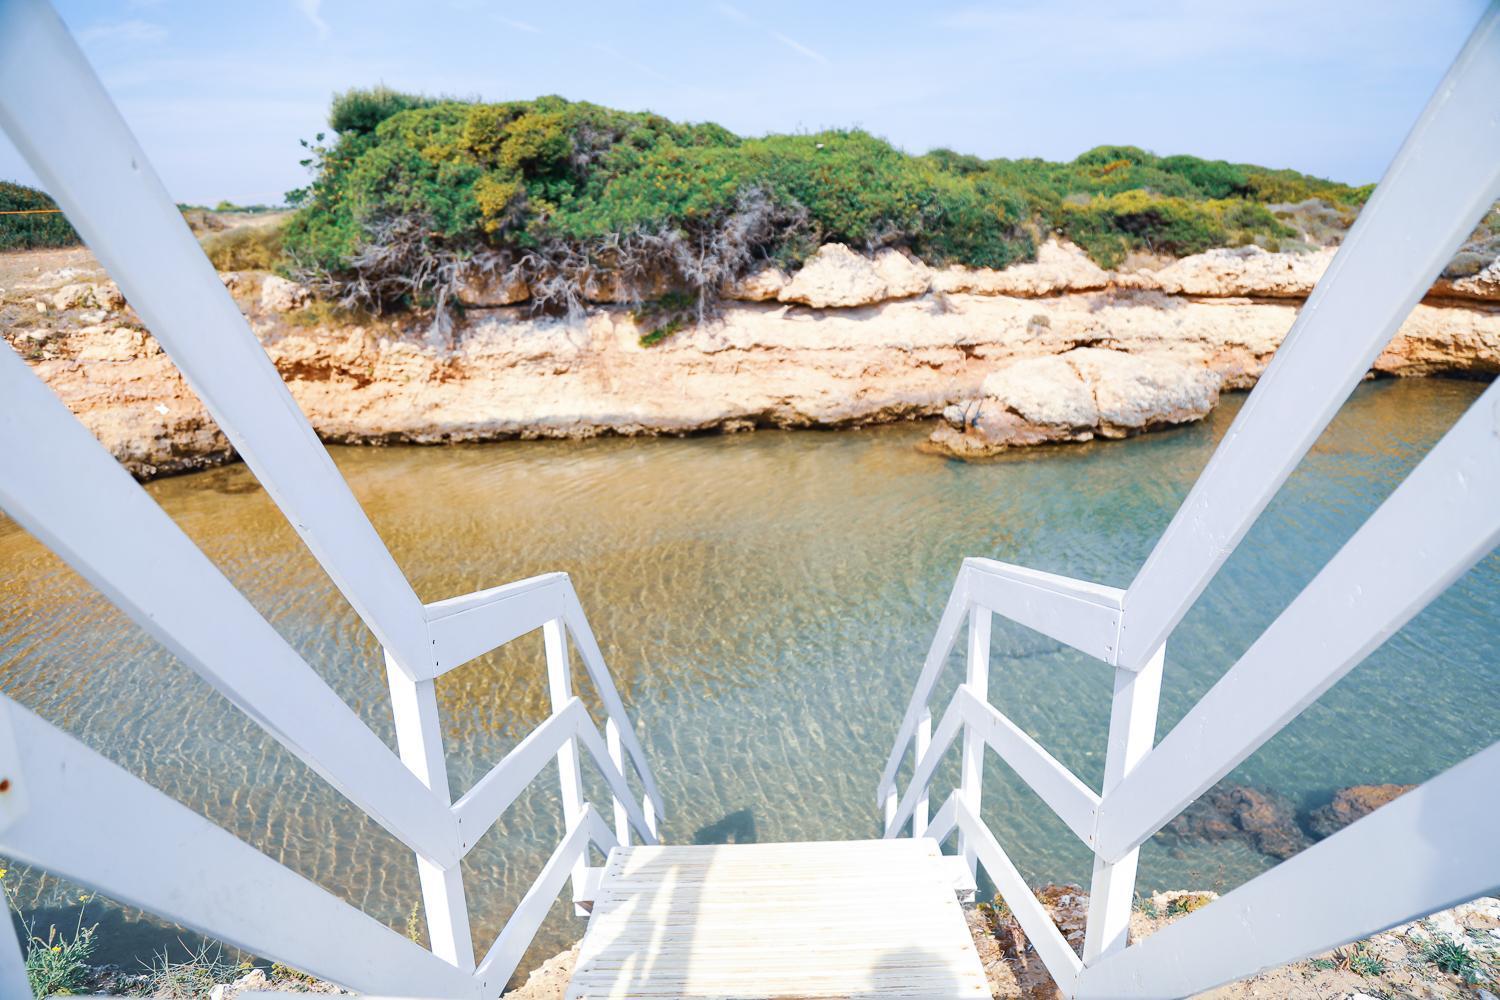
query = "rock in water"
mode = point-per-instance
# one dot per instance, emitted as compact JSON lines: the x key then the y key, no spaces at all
{"x":1235,"y":812}
{"x":1350,"y":804}
{"x":1076,"y":396}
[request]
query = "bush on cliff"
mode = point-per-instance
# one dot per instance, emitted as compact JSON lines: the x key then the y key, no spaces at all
{"x":570,"y":196}
{"x":21,"y":229}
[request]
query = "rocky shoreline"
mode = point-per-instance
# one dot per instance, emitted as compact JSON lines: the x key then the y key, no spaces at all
{"x":846,"y":341}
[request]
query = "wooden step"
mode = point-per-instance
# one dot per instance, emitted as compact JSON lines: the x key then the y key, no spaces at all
{"x":876,"y":918}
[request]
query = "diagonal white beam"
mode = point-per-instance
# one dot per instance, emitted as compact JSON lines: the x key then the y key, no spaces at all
{"x":164,"y":858}
{"x":61,"y":120}
{"x":60,"y":484}
{"x":1432,"y":848}
{"x":1437,"y":524}
{"x":1443,"y":180}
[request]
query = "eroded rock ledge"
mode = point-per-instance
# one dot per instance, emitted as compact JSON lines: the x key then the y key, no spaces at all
{"x":777,"y":362}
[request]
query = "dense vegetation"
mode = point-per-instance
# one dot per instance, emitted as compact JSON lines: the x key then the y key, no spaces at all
{"x":409,"y":191}
{"x":29,"y":231}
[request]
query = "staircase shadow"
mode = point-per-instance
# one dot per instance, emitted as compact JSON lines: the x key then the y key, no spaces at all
{"x":737,"y":827}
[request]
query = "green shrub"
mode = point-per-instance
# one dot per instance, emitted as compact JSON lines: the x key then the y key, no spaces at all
{"x":246,"y":248}
{"x":411,"y":190}
{"x":47,"y":228}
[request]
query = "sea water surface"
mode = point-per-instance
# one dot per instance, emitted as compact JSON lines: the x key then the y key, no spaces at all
{"x":764,"y":601}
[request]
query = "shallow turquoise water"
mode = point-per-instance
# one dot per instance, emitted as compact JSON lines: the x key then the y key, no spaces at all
{"x":764,"y":601}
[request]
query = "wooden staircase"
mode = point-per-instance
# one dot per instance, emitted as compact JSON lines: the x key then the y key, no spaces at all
{"x":846,"y":919}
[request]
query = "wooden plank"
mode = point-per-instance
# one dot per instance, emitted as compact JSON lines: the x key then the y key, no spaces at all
{"x":1431,"y":849}
{"x":868,"y":918}
{"x":419,"y":736}
{"x":505,"y":954}
{"x":172,"y":862}
{"x":1056,"y":954}
{"x":1132,"y":731}
{"x":472,"y":625}
{"x":1442,"y":181}
{"x":66,"y":128}
{"x":1083,"y":615}
{"x":1436,"y":525}
{"x":63,"y":487}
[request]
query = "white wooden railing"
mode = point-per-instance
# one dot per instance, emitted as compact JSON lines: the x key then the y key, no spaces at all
{"x":1432,"y":848}
{"x":63,"y":486}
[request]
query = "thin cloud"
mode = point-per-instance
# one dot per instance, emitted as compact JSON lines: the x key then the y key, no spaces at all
{"x":625,"y":60}
{"x":798,"y":47}
{"x":131,"y":32}
{"x":312,"y":10}
{"x":735,"y":14}
{"x":530,"y":29}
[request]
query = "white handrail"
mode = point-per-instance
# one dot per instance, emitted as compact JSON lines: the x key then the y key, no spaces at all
{"x":64,"y":487}
{"x":1441,"y":183}
{"x":168,"y":860}
{"x":1432,"y":529}
{"x":1435,"y":526}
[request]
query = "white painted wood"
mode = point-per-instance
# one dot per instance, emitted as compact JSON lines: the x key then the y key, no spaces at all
{"x":1132,"y":730}
{"x":604,"y":686}
{"x":1432,"y":848}
{"x":14,"y":800}
{"x":505,"y":954}
{"x":172,"y":862}
{"x":1073,"y":801}
{"x":977,"y":681}
{"x":472,"y":625}
{"x":1443,"y":180}
{"x":1083,"y":615}
{"x":944,"y":822}
{"x":570,"y":775}
{"x":65,"y":126}
{"x":13,"y":981}
{"x":62,"y":486}
{"x":619,"y":788}
{"x":948,"y":728}
{"x":419,"y":735}
{"x":954,"y":613}
{"x":918,"y":751}
{"x":1056,"y":954}
{"x":869,"y":919}
{"x":1436,"y":525}
{"x":489,"y":797}
{"x":617,"y":758}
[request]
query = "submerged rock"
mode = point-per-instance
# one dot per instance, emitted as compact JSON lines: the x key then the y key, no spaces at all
{"x":1350,"y":804}
{"x":1236,"y":812}
{"x":1076,"y":396}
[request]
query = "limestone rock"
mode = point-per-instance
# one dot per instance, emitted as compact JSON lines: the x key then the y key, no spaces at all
{"x":483,"y":289}
{"x":614,"y":288}
{"x":88,"y":295}
{"x":1237,"y":271}
{"x":280,"y":295}
{"x":1350,"y":804}
{"x":837,"y":277}
{"x":1076,"y":396}
{"x":1484,"y":286}
{"x":1236,"y":812}
{"x":549,"y":981}
{"x":1059,"y":267}
{"x":763,"y":285}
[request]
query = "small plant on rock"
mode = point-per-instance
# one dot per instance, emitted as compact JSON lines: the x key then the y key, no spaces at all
{"x":1452,"y":957}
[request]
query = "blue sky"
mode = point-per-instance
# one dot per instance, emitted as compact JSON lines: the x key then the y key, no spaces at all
{"x":220,"y":93}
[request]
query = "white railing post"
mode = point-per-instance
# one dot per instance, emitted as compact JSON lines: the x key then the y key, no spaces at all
{"x":570,"y":775}
{"x":1132,"y":731}
{"x":977,"y":677}
{"x":617,"y":758}
{"x":918,"y":751}
{"x":419,"y":737}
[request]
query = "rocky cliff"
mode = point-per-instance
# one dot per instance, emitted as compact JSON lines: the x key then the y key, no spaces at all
{"x":847,"y":340}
